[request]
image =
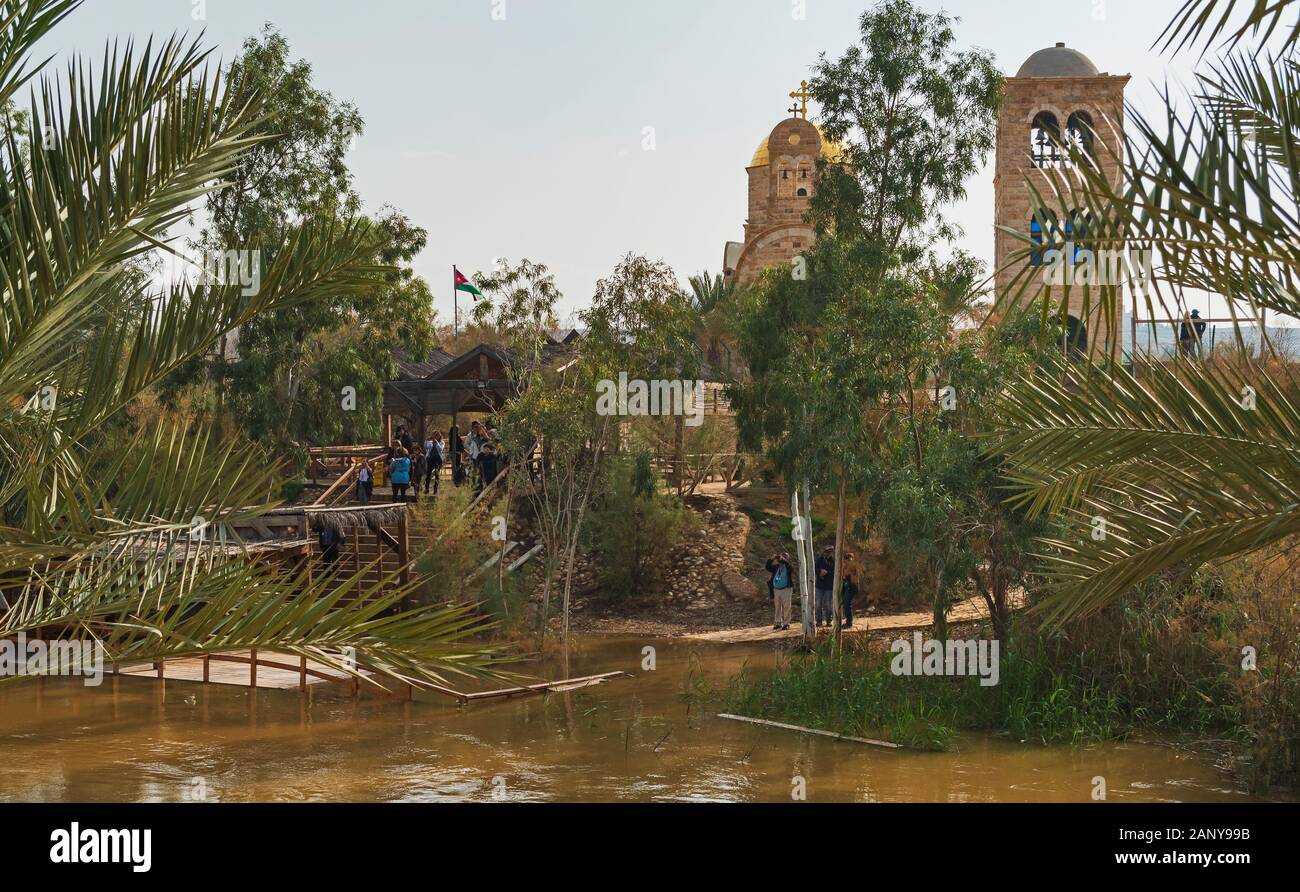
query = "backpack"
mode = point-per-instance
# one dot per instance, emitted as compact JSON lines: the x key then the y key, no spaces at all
{"x":402,"y":471}
{"x":781,"y":579}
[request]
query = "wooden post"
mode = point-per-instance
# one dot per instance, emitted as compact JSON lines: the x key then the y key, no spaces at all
{"x":158,"y":664}
{"x":205,"y":668}
{"x":404,"y":548}
{"x":252,"y":668}
{"x":302,"y":673}
{"x":388,"y":430}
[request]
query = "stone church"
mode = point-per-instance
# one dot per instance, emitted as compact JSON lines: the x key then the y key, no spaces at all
{"x":1056,"y":98}
{"x":781,"y":182}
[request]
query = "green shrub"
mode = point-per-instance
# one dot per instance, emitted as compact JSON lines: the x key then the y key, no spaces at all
{"x":636,"y":527}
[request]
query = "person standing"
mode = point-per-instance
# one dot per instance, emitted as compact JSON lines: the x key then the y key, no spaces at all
{"x":782,"y":589}
{"x":456,"y":448}
{"x":474,"y":451}
{"x":771,"y":565}
{"x":824,"y":585}
{"x":419,"y":468}
{"x":1191,"y":334}
{"x":365,"y":482}
{"x":487,"y":466}
{"x":436,"y":458}
{"x":400,"y":475}
{"x":849,"y":589}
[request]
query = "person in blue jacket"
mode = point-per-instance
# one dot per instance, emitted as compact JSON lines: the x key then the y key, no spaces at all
{"x":399,"y":473}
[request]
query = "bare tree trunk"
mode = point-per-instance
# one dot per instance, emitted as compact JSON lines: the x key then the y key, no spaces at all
{"x":679,"y":435}
{"x":505,"y":542}
{"x":838,"y":584}
{"x":940,"y":607}
{"x":806,"y":559}
{"x":577,"y":523}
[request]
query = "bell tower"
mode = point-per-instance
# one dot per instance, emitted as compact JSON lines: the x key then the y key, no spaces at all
{"x":1056,"y":99}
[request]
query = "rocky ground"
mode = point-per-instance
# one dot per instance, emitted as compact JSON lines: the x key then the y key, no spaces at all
{"x":716,"y":587}
{"x":706,"y":588}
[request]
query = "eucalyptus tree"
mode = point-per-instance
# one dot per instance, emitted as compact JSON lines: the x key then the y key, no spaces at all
{"x":825,"y":339}
{"x":292,"y":362}
{"x":914,"y":117}
{"x":126,"y":544}
{"x":1179,"y":463}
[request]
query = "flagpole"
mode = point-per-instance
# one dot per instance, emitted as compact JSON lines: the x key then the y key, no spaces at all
{"x":455,"y":305}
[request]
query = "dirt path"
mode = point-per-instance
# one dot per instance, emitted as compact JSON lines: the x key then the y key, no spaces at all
{"x":717,"y":590}
{"x":970,"y":610}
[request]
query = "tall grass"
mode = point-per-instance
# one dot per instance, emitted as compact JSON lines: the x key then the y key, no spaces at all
{"x":1167,"y":659}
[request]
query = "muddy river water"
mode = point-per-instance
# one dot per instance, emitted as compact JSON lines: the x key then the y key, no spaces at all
{"x":632,"y":739}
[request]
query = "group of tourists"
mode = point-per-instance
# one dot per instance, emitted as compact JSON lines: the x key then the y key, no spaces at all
{"x":780,"y":588}
{"x":409,"y":465}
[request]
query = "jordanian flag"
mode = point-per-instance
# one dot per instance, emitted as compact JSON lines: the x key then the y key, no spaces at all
{"x":464,"y":284}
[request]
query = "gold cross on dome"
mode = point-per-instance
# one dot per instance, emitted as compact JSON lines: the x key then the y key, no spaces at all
{"x":803,"y":96}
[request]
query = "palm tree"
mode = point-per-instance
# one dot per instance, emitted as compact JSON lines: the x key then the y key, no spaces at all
{"x":1166,"y":465}
{"x":710,"y":298}
{"x":106,"y":534}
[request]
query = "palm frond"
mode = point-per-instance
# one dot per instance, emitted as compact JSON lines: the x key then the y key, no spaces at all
{"x":1213,"y":19}
{"x":97,"y":531}
{"x":1187,"y":463}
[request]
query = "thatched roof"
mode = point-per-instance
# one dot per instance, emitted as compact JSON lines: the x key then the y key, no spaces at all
{"x":409,"y":369}
{"x":355,"y":516}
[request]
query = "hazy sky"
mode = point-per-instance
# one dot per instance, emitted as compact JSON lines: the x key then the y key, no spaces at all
{"x":515,"y":128}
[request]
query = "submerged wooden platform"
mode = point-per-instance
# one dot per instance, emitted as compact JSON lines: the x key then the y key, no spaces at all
{"x":272,"y":671}
{"x":284,"y":672}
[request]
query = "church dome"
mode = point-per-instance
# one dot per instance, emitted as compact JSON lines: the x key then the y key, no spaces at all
{"x":831,"y":151}
{"x":1057,"y":61}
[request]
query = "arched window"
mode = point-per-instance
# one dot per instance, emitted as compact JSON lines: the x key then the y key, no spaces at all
{"x":1045,"y":140}
{"x":1078,"y":133}
{"x":802,"y":192}
{"x":1076,"y":231}
{"x":1042,"y":231}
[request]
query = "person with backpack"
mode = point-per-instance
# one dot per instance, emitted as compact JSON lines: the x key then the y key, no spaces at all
{"x":782,"y":585}
{"x":399,"y":473}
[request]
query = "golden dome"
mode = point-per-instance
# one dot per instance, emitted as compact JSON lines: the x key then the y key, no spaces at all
{"x":831,"y":151}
